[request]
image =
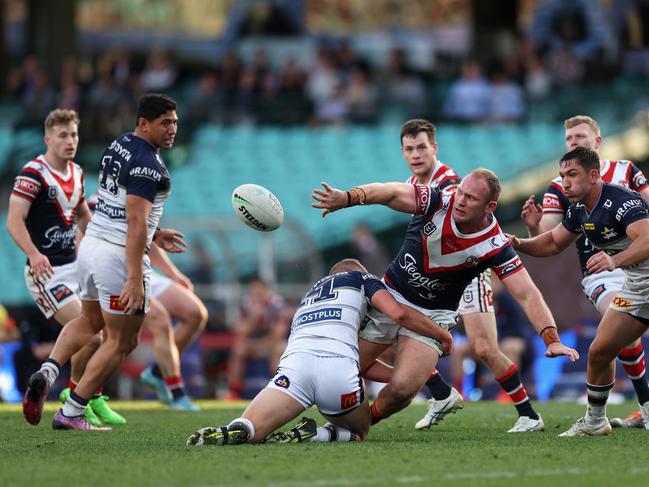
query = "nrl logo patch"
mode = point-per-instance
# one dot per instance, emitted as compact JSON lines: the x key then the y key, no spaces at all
{"x":52,"y":192}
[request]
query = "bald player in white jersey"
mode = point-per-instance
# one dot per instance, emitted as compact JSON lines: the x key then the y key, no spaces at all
{"x":321,"y":364}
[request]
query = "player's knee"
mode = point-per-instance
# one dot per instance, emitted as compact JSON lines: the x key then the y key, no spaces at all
{"x":485,"y":350}
{"x":600,"y":353}
{"x":403,"y":390}
{"x":95,"y":342}
{"x":197,"y":316}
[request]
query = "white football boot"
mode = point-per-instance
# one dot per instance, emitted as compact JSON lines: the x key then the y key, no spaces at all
{"x":438,"y":409}
{"x":525,"y":424}
{"x":584,"y":428}
{"x":644,"y":411}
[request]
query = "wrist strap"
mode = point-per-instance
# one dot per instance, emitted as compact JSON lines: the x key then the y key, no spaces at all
{"x":356,"y":196}
{"x":549,"y":335}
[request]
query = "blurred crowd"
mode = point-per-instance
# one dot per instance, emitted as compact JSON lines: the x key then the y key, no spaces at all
{"x":569,"y":42}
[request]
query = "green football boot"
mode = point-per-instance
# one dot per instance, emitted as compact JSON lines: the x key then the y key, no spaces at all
{"x":89,"y":414}
{"x":106,"y":414}
{"x":303,"y":431}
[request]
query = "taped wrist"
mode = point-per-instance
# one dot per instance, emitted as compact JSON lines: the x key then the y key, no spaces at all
{"x":549,"y":335}
{"x":356,"y":196}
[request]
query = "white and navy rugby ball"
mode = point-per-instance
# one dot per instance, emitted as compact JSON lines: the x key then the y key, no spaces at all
{"x":257,"y":207}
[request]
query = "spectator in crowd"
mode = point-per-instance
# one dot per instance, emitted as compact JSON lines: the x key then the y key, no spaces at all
{"x":366,"y":248}
{"x":160,"y":73}
{"x":468,"y":97}
{"x":401,"y":88}
{"x":506,"y":101}
{"x":361,"y":98}
{"x":261,"y":333}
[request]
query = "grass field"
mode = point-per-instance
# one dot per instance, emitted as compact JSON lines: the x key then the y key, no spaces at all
{"x":469,"y":448}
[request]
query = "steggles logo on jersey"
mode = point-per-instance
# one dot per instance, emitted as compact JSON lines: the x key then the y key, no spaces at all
{"x":63,"y":236}
{"x":283,"y":382}
{"x":416,"y":278}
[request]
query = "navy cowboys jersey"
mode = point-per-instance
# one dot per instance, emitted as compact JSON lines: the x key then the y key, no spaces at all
{"x":129,"y":166}
{"x":437,"y":262}
{"x":330,"y":315}
{"x":606,"y":225}
{"x":55,"y":197}
{"x":620,"y":173}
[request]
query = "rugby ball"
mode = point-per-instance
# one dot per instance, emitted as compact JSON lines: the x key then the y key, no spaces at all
{"x":257,"y":207}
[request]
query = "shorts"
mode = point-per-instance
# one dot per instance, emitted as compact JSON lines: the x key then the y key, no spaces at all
{"x":597,"y":285}
{"x":332,"y":383}
{"x":378,"y":328}
{"x":52,"y":295}
{"x":159,"y":284}
{"x":102,"y":274}
{"x":478,"y":297}
{"x":635,"y":303}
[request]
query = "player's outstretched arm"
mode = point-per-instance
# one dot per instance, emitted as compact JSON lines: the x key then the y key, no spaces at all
{"x":528,"y":296}
{"x":546,"y":244}
{"x":398,"y":196}
{"x":412,"y":319}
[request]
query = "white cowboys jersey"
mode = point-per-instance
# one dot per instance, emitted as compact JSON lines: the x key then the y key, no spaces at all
{"x":330,"y":315}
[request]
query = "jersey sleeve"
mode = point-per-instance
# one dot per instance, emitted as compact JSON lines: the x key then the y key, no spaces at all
{"x":631,"y":210}
{"x":142,"y":180}
{"x":637,"y":180}
{"x":571,"y":222}
{"x":427,"y":199}
{"x":371,"y":284}
{"x":27,"y":184}
{"x":506,"y":262}
{"x":554,"y":201}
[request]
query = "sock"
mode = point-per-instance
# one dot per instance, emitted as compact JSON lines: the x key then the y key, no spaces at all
{"x":597,"y":397}
{"x":247,"y":424}
{"x":155,"y":370}
{"x":437,"y":387}
{"x":176,"y":386}
{"x":634,"y":364}
{"x":511,"y":383}
{"x":51,"y":368}
{"x":236,"y":387}
{"x":98,"y":393}
{"x":330,"y":433}
{"x":72,"y":385}
{"x":376,"y":415}
{"x":74,"y":406}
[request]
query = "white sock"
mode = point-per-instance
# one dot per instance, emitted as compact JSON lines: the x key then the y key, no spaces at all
{"x":71,"y":408}
{"x":250,"y":428}
{"x":330,"y":433}
{"x":597,"y":397}
{"x":51,"y":370}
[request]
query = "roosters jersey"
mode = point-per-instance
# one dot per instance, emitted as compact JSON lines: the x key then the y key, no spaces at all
{"x":437,"y":261}
{"x":620,"y":173}
{"x":129,"y":166}
{"x":442,"y":177}
{"x":330,"y":314}
{"x":605,"y":226}
{"x":55,"y":197}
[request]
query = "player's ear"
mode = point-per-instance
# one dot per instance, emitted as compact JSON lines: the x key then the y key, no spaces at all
{"x":491,"y":207}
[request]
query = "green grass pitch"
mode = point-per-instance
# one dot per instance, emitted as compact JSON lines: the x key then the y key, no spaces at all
{"x":468,"y":448}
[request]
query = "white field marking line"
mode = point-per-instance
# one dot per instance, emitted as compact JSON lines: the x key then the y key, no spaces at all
{"x":419,"y":479}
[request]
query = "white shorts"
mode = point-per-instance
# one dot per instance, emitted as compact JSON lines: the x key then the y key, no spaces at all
{"x":378,"y":328}
{"x":478,"y":297}
{"x":51,"y":295}
{"x":635,"y":303}
{"x":102,"y":274}
{"x":159,"y":284}
{"x":332,"y":383}
{"x":597,"y":285}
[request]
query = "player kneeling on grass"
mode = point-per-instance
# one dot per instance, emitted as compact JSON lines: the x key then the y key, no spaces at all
{"x":321,"y":364}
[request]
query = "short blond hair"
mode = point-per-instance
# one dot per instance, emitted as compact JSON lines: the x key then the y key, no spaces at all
{"x":493,"y":183}
{"x":60,"y":116}
{"x":579,"y":119}
{"x":347,"y":265}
